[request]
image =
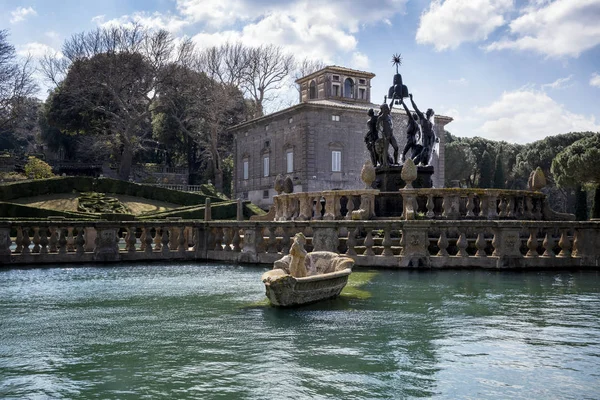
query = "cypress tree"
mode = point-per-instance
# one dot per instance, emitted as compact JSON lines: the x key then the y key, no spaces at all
{"x":499,"y":172}
{"x":485,"y":175}
{"x":581,"y":211}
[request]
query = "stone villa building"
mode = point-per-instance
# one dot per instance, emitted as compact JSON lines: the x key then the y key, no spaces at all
{"x":318,"y":142}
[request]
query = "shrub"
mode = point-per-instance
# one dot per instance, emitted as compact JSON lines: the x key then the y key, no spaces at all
{"x":38,"y":169}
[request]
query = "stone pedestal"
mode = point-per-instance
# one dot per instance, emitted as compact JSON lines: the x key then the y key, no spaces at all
{"x":389,"y":201}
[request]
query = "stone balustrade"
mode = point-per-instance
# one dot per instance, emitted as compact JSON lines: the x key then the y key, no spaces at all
{"x":326,"y":205}
{"x":390,"y":243}
{"x":449,"y":204}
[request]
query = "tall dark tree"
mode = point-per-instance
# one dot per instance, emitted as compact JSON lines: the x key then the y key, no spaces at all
{"x":485,"y":178}
{"x":498,"y":172}
{"x":110,"y":85}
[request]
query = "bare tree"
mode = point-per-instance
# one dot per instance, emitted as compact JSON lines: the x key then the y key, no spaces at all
{"x":227,"y":64}
{"x":269,"y":68}
{"x":16,"y":82}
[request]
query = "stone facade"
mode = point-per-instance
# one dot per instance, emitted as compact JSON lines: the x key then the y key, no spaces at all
{"x":324,"y":135}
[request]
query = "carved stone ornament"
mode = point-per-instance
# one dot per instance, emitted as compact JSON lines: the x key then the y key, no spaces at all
{"x":278,"y":184}
{"x":288,"y":185}
{"x":367,"y":174}
{"x":409,"y":173}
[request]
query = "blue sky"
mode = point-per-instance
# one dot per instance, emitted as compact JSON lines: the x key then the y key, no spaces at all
{"x":514,"y":70}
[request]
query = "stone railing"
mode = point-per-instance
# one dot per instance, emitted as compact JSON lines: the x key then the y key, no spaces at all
{"x":389,"y":243}
{"x":183,"y":188}
{"x":325,"y":205}
{"x":449,"y":204}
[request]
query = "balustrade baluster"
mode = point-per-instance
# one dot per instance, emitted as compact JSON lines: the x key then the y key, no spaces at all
{"x":510,"y":207}
{"x":443,"y":244}
{"x":532,"y":243}
{"x":70,"y":240}
{"x":349,"y":207}
{"x":62,"y":241}
{"x":495,"y":243}
{"x":329,"y":207}
{"x":19,"y":241}
{"x":481,"y":244}
{"x":369,"y":242}
{"x":387,"y":241}
{"x":236,"y":240}
{"x":430,"y":206}
{"x":227,"y":238}
{"x":305,"y":207}
{"x":492,"y":207}
{"x":26,"y":241}
{"x":36,"y":240}
{"x":130,"y":239}
{"x":53,"y":239}
{"x":210,"y":240}
{"x":80,"y":241}
{"x":158,"y":239}
{"x":462,"y":245}
{"x":502,"y":207}
{"x":470,"y":205}
{"x":483,"y":205}
{"x":218,"y":239}
{"x":182,"y":240}
{"x":577,"y":236}
{"x":174,"y":238}
{"x":445,"y":205}
{"x":537,"y":213}
{"x":44,"y":240}
{"x":565,"y":244}
{"x":351,"y":242}
{"x":548,"y":245}
{"x":147,"y":240}
{"x":164,"y":240}
{"x":272,"y":243}
{"x":285,"y":241}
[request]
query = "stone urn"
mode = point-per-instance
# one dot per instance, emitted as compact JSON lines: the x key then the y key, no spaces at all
{"x":278,"y":186}
{"x":537,"y":180}
{"x":409,"y":173}
{"x":288,"y":185}
{"x":367,"y":174}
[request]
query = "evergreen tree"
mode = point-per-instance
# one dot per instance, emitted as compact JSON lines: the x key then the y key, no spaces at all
{"x":485,"y":177}
{"x":581,"y":209}
{"x":499,"y":172}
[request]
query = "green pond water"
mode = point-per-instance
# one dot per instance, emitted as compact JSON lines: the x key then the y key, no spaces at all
{"x":205,"y":332}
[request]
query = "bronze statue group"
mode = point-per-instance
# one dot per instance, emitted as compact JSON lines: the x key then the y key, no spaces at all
{"x":420,"y":135}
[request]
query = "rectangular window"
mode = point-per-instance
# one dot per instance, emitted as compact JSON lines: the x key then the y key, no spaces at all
{"x":266,"y":127}
{"x":336,"y":78}
{"x":245,"y":163}
{"x":290,"y":120}
{"x":361,"y":93}
{"x":335,"y":118}
{"x":362,"y":81}
{"x":336,"y":161}
{"x":336,"y":90}
{"x":289,"y":158}
{"x":245,"y":195}
{"x":265,"y":194}
{"x":265,"y":166}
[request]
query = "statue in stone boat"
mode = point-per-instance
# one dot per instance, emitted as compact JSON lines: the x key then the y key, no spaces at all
{"x":302,"y":278}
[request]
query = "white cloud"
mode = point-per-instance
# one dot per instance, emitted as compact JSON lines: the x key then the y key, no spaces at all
{"x":359,"y":61}
{"x":20,"y":13}
{"x":595,"y":80}
{"x":155,"y":20}
{"x":449,"y":23}
{"x":560,"y":83}
{"x":460,"y":82}
{"x":561,"y":28}
{"x":527,"y":115}
{"x":36,"y":50}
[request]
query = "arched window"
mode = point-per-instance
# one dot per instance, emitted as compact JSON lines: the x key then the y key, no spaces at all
{"x":349,"y":88}
{"x":313,"y":90}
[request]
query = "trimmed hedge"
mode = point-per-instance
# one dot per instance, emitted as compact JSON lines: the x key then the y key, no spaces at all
{"x":12,"y":210}
{"x":15,"y":190}
{"x":225,"y":210}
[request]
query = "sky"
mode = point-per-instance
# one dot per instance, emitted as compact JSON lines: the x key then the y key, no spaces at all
{"x":513,"y":70}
